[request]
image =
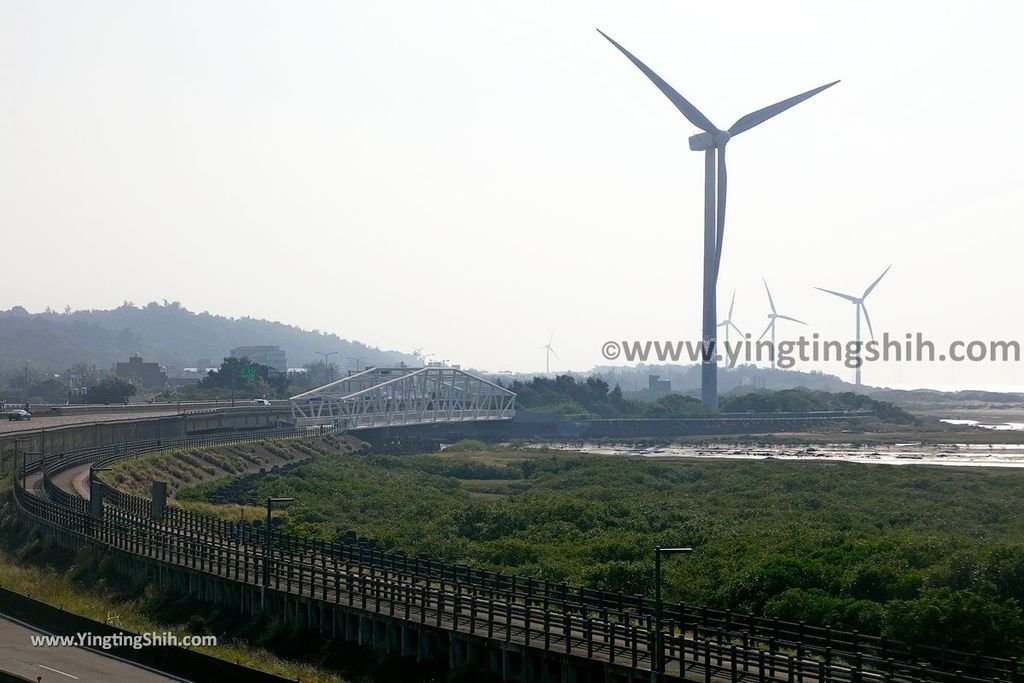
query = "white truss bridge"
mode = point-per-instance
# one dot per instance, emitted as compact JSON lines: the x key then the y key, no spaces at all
{"x":384,"y":397}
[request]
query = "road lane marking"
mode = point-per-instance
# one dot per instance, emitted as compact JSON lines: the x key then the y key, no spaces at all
{"x":57,"y":671}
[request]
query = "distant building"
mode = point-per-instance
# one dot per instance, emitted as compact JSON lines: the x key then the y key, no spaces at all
{"x":271,"y":356}
{"x":147,"y":374}
{"x":658,"y":387}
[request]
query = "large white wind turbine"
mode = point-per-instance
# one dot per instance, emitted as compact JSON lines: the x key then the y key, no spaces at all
{"x":858,"y":302}
{"x":772,"y":318}
{"x":547,"y":357}
{"x":727,"y":323}
{"x":710,"y":141}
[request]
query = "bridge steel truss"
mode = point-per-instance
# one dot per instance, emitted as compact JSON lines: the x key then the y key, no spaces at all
{"x":383,"y":397}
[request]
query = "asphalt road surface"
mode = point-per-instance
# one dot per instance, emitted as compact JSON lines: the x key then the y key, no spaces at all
{"x":40,"y":421}
{"x":17,"y":656}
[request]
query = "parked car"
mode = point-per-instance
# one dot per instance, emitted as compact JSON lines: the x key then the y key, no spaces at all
{"x":261,"y":402}
{"x":19,"y":414}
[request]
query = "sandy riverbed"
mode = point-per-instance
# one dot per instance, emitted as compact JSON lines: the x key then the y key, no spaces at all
{"x":956,"y":455}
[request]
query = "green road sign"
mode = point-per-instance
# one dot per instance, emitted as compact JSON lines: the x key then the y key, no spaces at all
{"x":248,"y":372}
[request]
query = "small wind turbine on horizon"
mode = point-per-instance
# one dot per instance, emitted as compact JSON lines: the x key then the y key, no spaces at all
{"x":711,"y":141}
{"x":773,"y":317}
{"x":547,"y":357}
{"x":727,"y":323}
{"x":858,"y":302}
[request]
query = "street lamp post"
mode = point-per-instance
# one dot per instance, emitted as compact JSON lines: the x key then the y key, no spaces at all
{"x":24,"y":468}
{"x":266,"y":542}
{"x":24,"y":461}
{"x":92,"y":476}
{"x":95,"y":497}
{"x":659,"y":650}
{"x":326,"y":356}
{"x":355,"y":361}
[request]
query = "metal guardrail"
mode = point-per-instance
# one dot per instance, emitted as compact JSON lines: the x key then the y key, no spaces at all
{"x":615,"y":626}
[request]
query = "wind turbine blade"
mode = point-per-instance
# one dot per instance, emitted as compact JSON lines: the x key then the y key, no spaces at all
{"x":767,"y":329}
{"x":722,"y":324}
{"x":770,"y":302}
{"x":553,"y":353}
{"x":723,"y":179}
{"x":839,"y":294}
{"x":551,"y":337}
{"x":691,"y":112}
{"x":867,"y":319}
{"x":786,"y":317}
{"x":733,"y":326}
{"x":875,"y":283}
{"x":761,"y":115}
{"x":731,"y":304}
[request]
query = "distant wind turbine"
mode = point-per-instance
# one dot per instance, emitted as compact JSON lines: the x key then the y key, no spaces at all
{"x":418,"y":353}
{"x":547,"y":357}
{"x":858,"y":302}
{"x":727,"y":323}
{"x":773,"y":317}
{"x":710,"y":141}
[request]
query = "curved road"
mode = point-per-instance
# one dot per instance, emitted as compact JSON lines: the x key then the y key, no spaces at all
{"x":19,"y":656}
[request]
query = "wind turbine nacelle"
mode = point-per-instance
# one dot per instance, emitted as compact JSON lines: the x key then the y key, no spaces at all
{"x":702,"y":141}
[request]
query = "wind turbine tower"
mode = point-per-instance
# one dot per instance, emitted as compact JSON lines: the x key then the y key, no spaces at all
{"x":547,"y":356}
{"x":858,"y":302}
{"x":727,"y":323}
{"x":774,"y":317}
{"x":712,"y":142}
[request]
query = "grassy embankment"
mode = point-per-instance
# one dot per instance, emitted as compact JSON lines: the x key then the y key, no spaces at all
{"x":185,"y":468}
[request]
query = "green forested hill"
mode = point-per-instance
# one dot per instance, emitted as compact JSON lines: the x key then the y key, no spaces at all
{"x":166,"y":333}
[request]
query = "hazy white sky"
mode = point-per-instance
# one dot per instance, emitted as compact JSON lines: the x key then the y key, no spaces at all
{"x":471,"y":176}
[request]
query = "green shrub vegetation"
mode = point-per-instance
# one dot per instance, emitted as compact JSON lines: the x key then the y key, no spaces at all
{"x":924,"y":554}
{"x":594,"y":398}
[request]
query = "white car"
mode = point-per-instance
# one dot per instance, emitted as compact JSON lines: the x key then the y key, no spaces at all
{"x":261,"y":402}
{"x":19,"y":414}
